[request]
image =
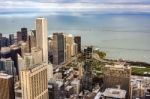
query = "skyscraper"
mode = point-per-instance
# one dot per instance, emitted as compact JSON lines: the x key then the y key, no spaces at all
{"x":14,"y":51}
{"x":77,"y":40}
{"x":8,"y":65}
{"x":24,"y":33}
{"x":1,"y":35}
{"x":34,"y":82}
{"x":87,"y":78}
{"x":6,"y":86}
{"x":58,"y":48}
{"x":19,"y":36}
{"x":41,"y":37}
{"x":4,"y":42}
{"x":11,"y":52}
{"x":11,"y":39}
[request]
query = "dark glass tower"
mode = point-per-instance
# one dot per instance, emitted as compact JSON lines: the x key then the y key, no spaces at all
{"x":11,"y":39}
{"x":24,"y":32}
{"x":77,"y":40}
{"x":87,"y":78}
{"x":58,"y":48}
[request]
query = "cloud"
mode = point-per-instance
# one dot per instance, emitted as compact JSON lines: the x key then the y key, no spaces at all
{"x":80,"y":6}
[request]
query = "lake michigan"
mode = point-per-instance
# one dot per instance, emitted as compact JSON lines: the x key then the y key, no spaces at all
{"x":125,"y":36}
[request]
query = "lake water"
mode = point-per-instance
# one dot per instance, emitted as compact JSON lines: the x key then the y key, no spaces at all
{"x":121,"y":35}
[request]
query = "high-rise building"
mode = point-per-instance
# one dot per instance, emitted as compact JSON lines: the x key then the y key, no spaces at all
{"x":77,"y":40}
{"x":34,"y":83}
{"x":11,"y":39}
{"x":118,"y":75}
{"x":70,"y":47}
{"x":0,"y":39}
{"x":8,"y":65}
{"x":15,"y":50}
{"x":4,"y":42}
{"x":87,"y":78}
{"x":41,"y":37}
{"x":19,"y":36}
{"x":50,"y":50}
{"x":11,"y":52}
{"x":56,"y":89}
{"x":24,"y":33}
{"x":58,"y":48}
{"x":1,"y":35}
{"x":34,"y":33}
{"x":70,"y":43}
{"x":6,"y":86}
{"x":68,"y":52}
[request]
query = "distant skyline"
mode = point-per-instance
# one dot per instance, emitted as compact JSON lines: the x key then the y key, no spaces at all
{"x":74,"y":6}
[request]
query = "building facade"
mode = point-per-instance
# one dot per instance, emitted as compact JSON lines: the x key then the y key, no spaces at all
{"x":7,"y":86}
{"x":118,"y":75}
{"x":34,"y":82}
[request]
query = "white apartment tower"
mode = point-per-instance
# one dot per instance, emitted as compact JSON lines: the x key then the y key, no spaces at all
{"x":41,"y":37}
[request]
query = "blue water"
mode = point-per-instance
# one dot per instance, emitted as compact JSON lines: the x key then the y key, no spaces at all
{"x":120,"y":35}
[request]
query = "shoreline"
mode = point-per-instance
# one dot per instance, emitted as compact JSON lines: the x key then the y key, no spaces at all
{"x":134,"y":63}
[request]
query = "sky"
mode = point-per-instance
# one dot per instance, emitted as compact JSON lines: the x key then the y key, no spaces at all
{"x":75,"y":6}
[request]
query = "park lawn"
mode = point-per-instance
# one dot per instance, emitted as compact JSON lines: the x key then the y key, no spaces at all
{"x":139,"y":71}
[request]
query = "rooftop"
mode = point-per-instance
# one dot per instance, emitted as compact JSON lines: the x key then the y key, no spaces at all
{"x":114,"y":93}
{"x":5,"y":76}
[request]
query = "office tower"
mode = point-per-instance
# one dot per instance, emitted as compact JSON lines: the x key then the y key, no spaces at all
{"x":34,"y":82}
{"x":58,"y":48}
{"x":34,"y":33}
{"x":11,"y":52}
{"x":4,"y":42}
{"x":31,"y":41}
{"x":15,"y":50}
{"x":0,"y":39}
{"x":112,"y":93}
{"x":8,"y":65}
{"x":1,"y":35}
{"x":41,"y":37}
{"x":6,"y":86}
{"x":77,"y":40}
{"x":117,"y":75}
{"x":50,"y":50}
{"x":24,"y":33}
{"x":56,"y":89}
{"x":87,"y":78}
{"x":74,"y":49}
{"x":70,"y":42}
{"x":11,"y":39}
{"x":19,"y":36}
{"x":68,"y":52}
{"x":69,"y":47}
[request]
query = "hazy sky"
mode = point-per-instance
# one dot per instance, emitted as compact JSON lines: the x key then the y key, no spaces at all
{"x":75,"y":6}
